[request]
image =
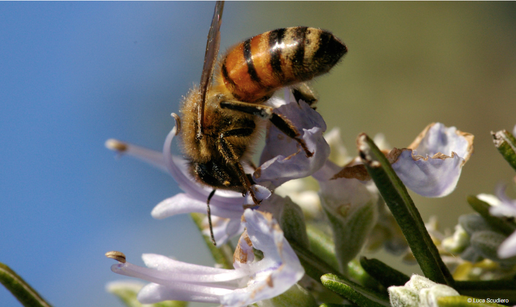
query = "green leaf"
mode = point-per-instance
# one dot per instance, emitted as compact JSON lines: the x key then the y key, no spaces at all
{"x":357,"y":272}
{"x":346,"y":290}
{"x":126,"y":291}
{"x":404,"y":211}
{"x":386,"y":275}
{"x":497,"y":223}
{"x":505,"y":142}
{"x":20,"y":289}
{"x":223,"y":254}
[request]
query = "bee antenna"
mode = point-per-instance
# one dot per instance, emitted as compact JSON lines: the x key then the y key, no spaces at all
{"x":209,"y":217}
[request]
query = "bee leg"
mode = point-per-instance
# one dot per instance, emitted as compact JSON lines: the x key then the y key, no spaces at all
{"x":267,"y":112}
{"x":302,"y":91}
{"x":231,"y":157}
{"x":209,"y":217}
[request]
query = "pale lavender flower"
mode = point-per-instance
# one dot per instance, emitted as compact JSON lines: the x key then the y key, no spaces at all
{"x":503,"y":206}
{"x":251,"y":281}
{"x":227,"y":204}
{"x":432,"y":164}
{"x":282,"y":158}
{"x":224,"y":204}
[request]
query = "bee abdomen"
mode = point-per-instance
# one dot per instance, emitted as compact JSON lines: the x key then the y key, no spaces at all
{"x":255,"y":68}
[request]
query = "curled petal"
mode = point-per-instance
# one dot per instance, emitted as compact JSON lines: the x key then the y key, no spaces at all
{"x":178,"y":168}
{"x":505,"y":205}
{"x":432,"y":164}
{"x":250,"y":281}
{"x":280,"y":268}
{"x":508,"y":247}
{"x":184,"y":203}
{"x":282,"y":158}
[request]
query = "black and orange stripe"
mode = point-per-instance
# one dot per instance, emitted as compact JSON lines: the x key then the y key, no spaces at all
{"x":255,"y":68}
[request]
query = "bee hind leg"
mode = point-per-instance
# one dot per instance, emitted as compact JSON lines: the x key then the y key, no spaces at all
{"x":267,"y":112}
{"x":302,"y":91}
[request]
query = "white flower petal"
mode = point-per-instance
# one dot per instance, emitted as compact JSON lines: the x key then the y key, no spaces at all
{"x":276,"y":272}
{"x":282,"y":158}
{"x":507,"y":206}
{"x":183,"y":203}
{"x":223,"y":228}
{"x":178,"y":168}
{"x":152,"y":157}
{"x":432,"y":164}
{"x":250,"y":282}
{"x":508,"y":247}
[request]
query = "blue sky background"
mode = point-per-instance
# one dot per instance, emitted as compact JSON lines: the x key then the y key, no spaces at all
{"x":73,"y":74}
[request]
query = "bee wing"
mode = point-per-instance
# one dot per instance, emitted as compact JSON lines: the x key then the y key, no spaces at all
{"x":212,"y":50}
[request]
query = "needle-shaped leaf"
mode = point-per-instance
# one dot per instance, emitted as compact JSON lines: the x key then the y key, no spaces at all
{"x":386,"y":275}
{"x":23,"y":292}
{"x":505,"y":142}
{"x":315,"y":267}
{"x":405,"y":212}
{"x":349,"y":292}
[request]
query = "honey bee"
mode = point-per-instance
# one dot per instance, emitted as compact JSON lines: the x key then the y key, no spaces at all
{"x":220,"y":118}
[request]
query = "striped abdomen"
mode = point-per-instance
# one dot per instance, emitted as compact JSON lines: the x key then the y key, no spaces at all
{"x":255,"y":68}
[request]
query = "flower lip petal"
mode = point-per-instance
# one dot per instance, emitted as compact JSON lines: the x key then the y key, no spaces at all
{"x":248,"y":283}
{"x":282,"y":158}
{"x":438,"y":141}
{"x":432,"y":164}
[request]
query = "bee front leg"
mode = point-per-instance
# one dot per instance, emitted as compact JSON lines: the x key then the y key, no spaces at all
{"x":232,"y":159}
{"x":267,"y":112}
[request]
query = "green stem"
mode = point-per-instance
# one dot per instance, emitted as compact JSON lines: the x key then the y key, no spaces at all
{"x":405,"y":212}
{"x":322,"y":245}
{"x":20,"y":288}
{"x":223,"y":254}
